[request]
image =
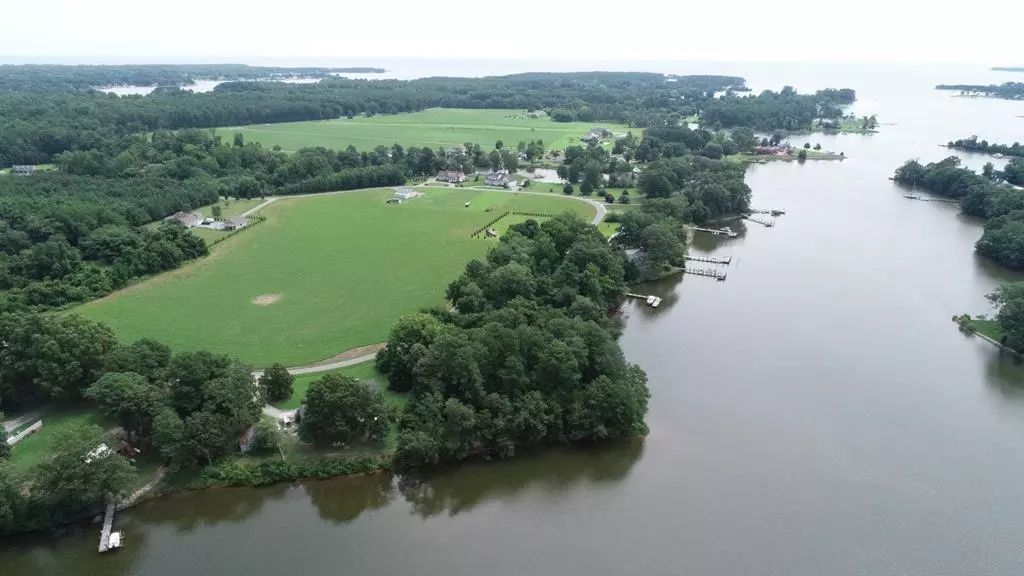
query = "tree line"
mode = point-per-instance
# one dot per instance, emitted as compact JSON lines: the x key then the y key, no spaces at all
{"x":84,"y":77}
{"x":1006,"y":90}
{"x":783,"y":110}
{"x":972,"y":144}
{"x":987,"y":195}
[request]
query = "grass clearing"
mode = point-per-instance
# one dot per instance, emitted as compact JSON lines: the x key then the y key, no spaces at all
{"x":345,"y":266}
{"x":364,"y":371}
{"x":446,"y":127}
{"x":33,"y":450}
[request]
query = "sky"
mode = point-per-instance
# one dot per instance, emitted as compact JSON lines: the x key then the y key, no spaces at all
{"x":331,"y":31}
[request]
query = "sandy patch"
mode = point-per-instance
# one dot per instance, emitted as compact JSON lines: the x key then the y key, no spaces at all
{"x":266,"y":299}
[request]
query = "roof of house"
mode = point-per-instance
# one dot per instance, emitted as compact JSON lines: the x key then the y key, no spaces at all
{"x":239,"y":220}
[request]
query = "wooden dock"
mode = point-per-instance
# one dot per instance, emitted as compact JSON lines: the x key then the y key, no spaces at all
{"x":709,"y":272}
{"x":724,"y":260}
{"x":108,"y":525}
{"x":772,"y":212}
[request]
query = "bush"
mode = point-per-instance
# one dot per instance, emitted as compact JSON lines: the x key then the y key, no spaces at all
{"x":568,"y":190}
{"x":609,"y":198}
{"x":802,"y":155}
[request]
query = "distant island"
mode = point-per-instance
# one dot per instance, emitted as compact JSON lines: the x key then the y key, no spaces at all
{"x":972,"y":144}
{"x":1009,"y":69}
{"x":1006,"y":90}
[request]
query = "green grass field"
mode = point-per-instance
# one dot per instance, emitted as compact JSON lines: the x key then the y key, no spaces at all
{"x":34,"y":449}
{"x":320,"y":276}
{"x":446,"y":127}
{"x":364,"y":371}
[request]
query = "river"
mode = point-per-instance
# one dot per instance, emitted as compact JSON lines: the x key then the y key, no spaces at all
{"x":817,"y":413}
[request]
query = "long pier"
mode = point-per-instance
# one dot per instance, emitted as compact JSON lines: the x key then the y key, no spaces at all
{"x":709,"y":272}
{"x":927,"y":199}
{"x":652,"y":301}
{"x":772,"y":212}
{"x":724,"y":231}
{"x":762,"y":221}
{"x":108,"y":525}
{"x":724,"y":260}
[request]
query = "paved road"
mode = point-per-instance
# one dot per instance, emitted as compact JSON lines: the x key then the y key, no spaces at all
{"x":279,"y":414}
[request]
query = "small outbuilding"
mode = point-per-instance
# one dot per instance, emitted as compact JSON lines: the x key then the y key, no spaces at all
{"x":23,"y":170}
{"x":403,"y":194}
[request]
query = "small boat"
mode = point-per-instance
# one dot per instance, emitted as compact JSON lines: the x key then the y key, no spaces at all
{"x":115,"y":541}
{"x":778,"y":212}
{"x":912,"y":196}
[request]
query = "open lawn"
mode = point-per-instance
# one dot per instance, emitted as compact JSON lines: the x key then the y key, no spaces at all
{"x":33,"y":449}
{"x":446,"y":127}
{"x":364,"y":371}
{"x":322,"y":275}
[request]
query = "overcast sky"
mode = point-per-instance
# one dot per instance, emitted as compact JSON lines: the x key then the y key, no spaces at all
{"x":984,"y":31}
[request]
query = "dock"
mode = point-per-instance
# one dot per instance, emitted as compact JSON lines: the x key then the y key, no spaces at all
{"x":708,"y":272}
{"x":766,"y":222}
{"x":772,"y":212}
{"x":652,"y":301}
{"x":723,"y":260}
{"x":722,"y":232}
{"x":927,"y":199}
{"x":108,"y":525}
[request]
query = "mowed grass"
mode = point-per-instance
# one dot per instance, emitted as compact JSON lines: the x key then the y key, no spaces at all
{"x":446,"y":127}
{"x":335,"y":272}
{"x":364,"y":371}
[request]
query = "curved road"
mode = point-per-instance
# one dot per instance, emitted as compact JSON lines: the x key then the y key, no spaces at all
{"x":277,"y":413}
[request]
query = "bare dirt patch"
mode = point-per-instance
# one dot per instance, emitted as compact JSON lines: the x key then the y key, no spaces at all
{"x":352,"y":354}
{"x":266,"y":299}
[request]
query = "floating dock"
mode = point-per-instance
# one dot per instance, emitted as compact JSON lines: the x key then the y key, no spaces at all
{"x":924,"y":199}
{"x":724,"y":260}
{"x":709,"y":272}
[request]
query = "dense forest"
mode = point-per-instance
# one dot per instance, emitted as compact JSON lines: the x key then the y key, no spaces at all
{"x":527,"y":355}
{"x":785,"y":110}
{"x":61,"y":78}
{"x":983,"y":195}
{"x":972,"y":144}
{"x":1006,"y":90}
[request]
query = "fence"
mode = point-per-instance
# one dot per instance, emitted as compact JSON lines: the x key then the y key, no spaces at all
{"x":481,"y":230}
{"x":253,"y":221}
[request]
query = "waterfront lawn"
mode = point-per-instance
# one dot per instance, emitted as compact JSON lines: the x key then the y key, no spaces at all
{"x":984,"y":326}
{"x":444,"y":127}
{"x":33,"y":450}
{"x":334,"y":272}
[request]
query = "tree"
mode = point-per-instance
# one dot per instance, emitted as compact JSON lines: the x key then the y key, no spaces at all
{"x":609,"y":198}
{"x":499,"y":145}
{"x":267,"y":436}
{"x":802,"y":155}
{"x":406,"y":344}
{"x":712,"y":150}
{"x":5,"y":448}
{"x":1009,"y":301}
{"x":50,"y":357}
{"x":568,"y":189}
{"x":817,"y":146}
{"x":74,"y":480}
{"x":130,"y":399}
{"x":562,"y":171}
{"x":807,"y":145}
{"x":147,"y":357}
{"x":586,"y":188}
{"x":238,"y":140}
{"x":216,"y":211}
{"x":277,"y":382}
{"x":340,"y":410}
